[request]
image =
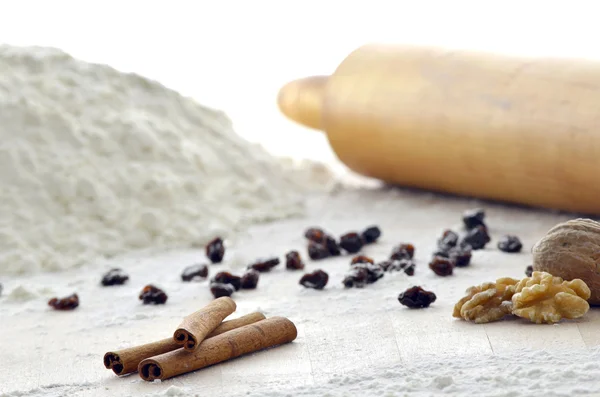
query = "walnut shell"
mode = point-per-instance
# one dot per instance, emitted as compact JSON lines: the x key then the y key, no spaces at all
{"x":571,"y":250}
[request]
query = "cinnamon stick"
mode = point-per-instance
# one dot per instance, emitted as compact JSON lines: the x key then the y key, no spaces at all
{"x":195,"y":327}
{"x":126,"y":361}
{"x":236,"y":323}
{"x":247,"y":339}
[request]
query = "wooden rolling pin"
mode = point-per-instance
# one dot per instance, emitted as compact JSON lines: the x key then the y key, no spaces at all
{"x":519,"y":130}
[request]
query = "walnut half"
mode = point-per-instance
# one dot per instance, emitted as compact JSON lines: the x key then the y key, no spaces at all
{"x":487,"y":302}
{"x":543,"y":298}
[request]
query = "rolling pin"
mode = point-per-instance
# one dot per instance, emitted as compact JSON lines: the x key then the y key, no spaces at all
{"x":498,"y":127}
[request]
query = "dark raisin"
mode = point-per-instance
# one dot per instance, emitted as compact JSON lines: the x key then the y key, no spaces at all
{"x":351,"y":242}
{"x":510,"y":243}
{"x":219,"y":289}
{"x":473,"y":218}
{"x":68,"y":303}
{"x":374,"y":272}
{"x":264,"y":265}
{"x":215,"y":250}
{"x":393,"y":265}
{"x":194,"y":272}
{"x":386,"y":265}
{"x":151,"y":294}
{"x":332,"y":246}
{"x":114,"y":276}
{"x":293,"y":261}
{"x":529,"y":271}
{"x":361,"y":259}
{"x":444,"y":253}
{"x":371,"y":234}
{"x":250,"y":279}
{"x":407,"y":265}
{"x":317,"y":279}
{"x":477,"y":237}
{"x":416,"y":298}
{"x":227,"y":278}
{"x":448,"y":240}
{"x":317,"y":251}
{"x":461,"y":255}
{"x":441,"y":266}
{"x":403,"y":251}
{"x":314,"y":234}
{"x":356,"y":278}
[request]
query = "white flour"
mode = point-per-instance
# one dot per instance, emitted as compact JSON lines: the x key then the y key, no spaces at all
{"x":515,"y":374}
{"x":97,"y":162}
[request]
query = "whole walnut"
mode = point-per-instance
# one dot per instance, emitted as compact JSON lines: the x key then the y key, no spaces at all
{"x":571,"y":250}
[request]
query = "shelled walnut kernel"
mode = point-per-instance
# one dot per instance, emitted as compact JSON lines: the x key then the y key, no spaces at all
{"x":486,"y":302}
{"x":543,"y":298}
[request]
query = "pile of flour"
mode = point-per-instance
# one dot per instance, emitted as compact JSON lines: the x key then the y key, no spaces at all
{"x":95,"y":162}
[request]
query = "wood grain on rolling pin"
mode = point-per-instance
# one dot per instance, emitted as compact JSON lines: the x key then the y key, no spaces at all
{"x":521,"y":130}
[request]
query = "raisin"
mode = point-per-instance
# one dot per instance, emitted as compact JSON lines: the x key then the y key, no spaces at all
{"x":392,"y":265}
{"x":529,"y":271}
{"x":461,"y":255}
{"x":332,"y":246}
{"x":444,"y":253}
{"x":361,"y":259}
{"x":357,"y":277}
{"x":510,"y":243}
{"x":151,"y":294}
{"x":448,"y":240}
{"x":473,"y":218}
{"x":314,"y":234}
{"x":250,"y":279}
{"x":371,"y":234}
{"x":386,"y":265}
{"x":351,"y":242}
{"x":114,"y":276}
{"x":219,"y":289}
{"x":68,"y":303}
{"x":416,"y":298}
{"x":407,"y":265}
{"x":215,"y":250}
{"x":264,"y":265}
{"x":317,"y":251}
{"x":477,"y":237}
{"x":403,"y":251}
{"x":194,"y":272}
{"x":441,"y":266}
{"x":317,"y":279}
{"x":293,"y":261}
{"x":374,"y":272}
{"x":227,"y":278}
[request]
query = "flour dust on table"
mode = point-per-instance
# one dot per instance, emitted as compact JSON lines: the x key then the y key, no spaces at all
{"x":525,"y":373}
{"x":350,"y":342}
{"x":95,"y":162}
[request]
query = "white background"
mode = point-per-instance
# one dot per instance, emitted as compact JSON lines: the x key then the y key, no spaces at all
{"x":235,"y":55}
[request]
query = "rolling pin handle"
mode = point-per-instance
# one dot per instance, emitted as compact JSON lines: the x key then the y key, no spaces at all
{"x":301,"y":100}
